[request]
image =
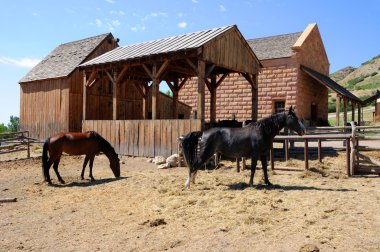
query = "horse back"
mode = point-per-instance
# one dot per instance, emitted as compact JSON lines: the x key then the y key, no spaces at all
{"x":74,"y":143}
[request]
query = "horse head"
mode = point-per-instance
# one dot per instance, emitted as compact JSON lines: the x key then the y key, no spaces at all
{"x":293,"y":123}
{"x":115,"y":166}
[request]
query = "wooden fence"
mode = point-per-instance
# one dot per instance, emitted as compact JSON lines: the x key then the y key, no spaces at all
{"x":361,"y":163}
{"x":146,"y":138}
{"x":15,"y":142}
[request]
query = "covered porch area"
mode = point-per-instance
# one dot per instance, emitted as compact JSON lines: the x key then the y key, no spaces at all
{"x":209,"y":55}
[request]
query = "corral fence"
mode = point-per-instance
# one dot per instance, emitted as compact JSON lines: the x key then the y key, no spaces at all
{"x":145,"y":138}
{"x":352,"y":136}
{"x":15,"y":142}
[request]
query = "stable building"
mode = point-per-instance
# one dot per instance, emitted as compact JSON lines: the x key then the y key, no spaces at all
{"x":294,"y":72}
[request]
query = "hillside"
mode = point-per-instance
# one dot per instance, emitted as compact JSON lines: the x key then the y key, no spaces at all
{"x":342,"y":73}
{"x":362,"y":81}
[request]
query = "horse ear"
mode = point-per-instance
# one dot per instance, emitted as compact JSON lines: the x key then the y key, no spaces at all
{"x":290,"y":109}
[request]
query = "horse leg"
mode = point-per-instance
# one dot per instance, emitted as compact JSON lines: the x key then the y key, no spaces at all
{"x":84,"y":166}
{"x":91,"y":164}
{"x":204,"y":155}
{"x":253,"y":169}
{"x":55,"y":166}
{"x":46,"y":171}
{"x":264,"y":163}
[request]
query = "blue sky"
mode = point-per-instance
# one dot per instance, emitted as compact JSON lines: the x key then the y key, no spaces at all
{"x":31,"y":29}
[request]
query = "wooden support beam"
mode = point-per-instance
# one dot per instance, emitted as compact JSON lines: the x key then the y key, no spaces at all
{"x":221,"y":79}
{"x":201,"y":91}
{"x":91,"y":79}
{"x":175,"y":99}
{"x":345,"y":104}
{"x":353,"y":111}
{"x":359,"y":114}
{"x":306,"y":154}
{"x":337,"y":110}
{"x":213,"y":100}
{"x":122,"y":73}
{"x":84,"y":97}
{"x":192,"y":65}
{"x":254,"y":97}
{"x":183,"y":82}
{"x":114,"y":97}
{"x":162,"y":69}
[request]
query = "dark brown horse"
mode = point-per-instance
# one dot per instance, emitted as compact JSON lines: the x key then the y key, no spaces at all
{"x":76,"y":143}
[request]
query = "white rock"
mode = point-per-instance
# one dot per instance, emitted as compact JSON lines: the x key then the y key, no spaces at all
{"x":163,"y":166}
{"x":159,"y":160}
{"x":172,"y":161}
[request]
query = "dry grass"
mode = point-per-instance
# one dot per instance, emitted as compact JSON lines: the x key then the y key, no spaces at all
{"x":149,"y":209}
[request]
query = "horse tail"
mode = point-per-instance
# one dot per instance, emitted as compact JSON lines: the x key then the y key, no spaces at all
{"x":190,"y":148}
{"x":45,"y":158}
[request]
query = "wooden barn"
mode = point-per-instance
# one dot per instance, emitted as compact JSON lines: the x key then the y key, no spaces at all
{"x":52,"y":92}
{"x":295,"y":72}
{"x":209,"y":55}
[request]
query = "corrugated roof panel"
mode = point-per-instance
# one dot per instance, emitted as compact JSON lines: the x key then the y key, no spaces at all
{"x":166,"y":45}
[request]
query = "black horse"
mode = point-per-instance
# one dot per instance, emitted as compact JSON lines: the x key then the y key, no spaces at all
{"x":253,"y":141}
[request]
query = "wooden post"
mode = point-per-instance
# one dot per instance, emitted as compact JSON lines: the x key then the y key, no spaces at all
{"x":353,"y":111}
{"x":238,"y":164}
{"x":345,"y":102}
{"x":286,"y":149}
{"x":114,"y":96}
{"x":306,"y":154}
{"x":255,"y":95}
{"x":353,"y":149}
{"x":27,"y":135}
{"x":201,"y":91}
{"x":348,"y":162}
{"x":337,"y":109}
{"x":84,"y":96}
{"x":154,"y":92}
{"x":175,"y":99}
{"x":213,"y":100}
{"x":144,"y":101}
{"x":319,"y":150}
{"x":359,"y":114}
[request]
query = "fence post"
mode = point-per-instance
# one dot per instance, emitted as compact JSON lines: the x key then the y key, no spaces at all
{"x":319,"y":150}
{"x":28,"y":139}
{"x":353,"y":149}
{"x":306,"y":154}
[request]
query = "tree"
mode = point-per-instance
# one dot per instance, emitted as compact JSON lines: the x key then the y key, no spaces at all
{"x":3,"y":128}
{"x":14,"y":123}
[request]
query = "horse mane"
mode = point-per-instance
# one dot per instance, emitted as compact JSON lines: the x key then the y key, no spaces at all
{"x":104,"y":142}
{"x":271,"y":124}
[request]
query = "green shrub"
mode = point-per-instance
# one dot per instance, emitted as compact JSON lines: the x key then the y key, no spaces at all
{"x":373,"y":74}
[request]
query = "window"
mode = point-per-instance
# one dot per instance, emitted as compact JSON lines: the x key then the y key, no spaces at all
{"x":279,"y":106}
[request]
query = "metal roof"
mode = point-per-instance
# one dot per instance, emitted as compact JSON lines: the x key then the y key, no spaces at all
{"x":159,"y":46}
{"x":275,"y":46}
{"x":325,"y":80}
{"x":63,"y":60}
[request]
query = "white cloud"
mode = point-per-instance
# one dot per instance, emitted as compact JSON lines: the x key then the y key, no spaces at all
{"x":134,"y":28}
{"x":182,"y":25}
{"x":113,"y":12}
{"x":98,"y":22}
{"x":138,"y":28}
{"x":35,"y":14}
{"x":110,"y":1}
{"x":143,"y":28}
{"x":195,"y":1}
{"x":222,"y":8}
{"x":23,"y":62}
{"x":116,"y":23}
{"x":154,"y":15}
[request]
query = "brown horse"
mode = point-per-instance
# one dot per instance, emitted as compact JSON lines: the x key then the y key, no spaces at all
{"x":76,"y":143}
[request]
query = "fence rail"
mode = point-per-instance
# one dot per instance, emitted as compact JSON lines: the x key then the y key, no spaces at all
{"x":15,"y":142}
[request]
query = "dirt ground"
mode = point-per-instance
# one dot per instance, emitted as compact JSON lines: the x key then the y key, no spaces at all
{"x":150,"y":210}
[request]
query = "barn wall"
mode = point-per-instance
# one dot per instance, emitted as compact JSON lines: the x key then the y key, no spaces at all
{"x":44,"y":107}
{"x":277,"y":82}
{"x":231,"y":51}
{"x":165,"y":107}
{"x":233,"y":98}
{"x":313,"y":55}
{"x":76,"y":92}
